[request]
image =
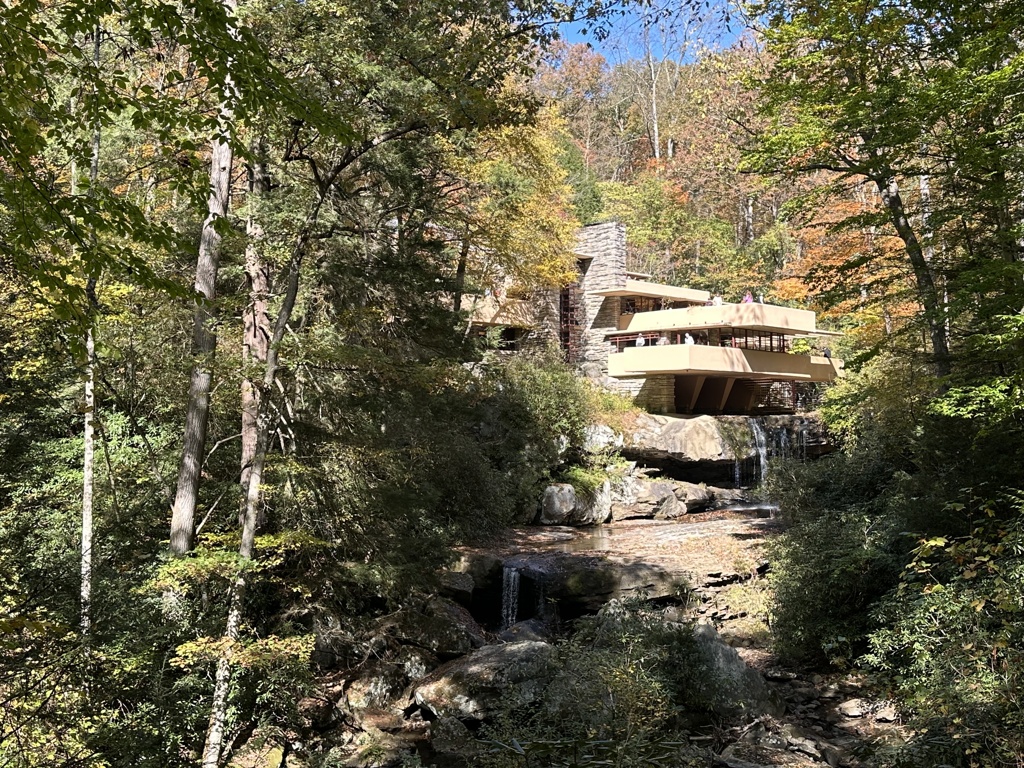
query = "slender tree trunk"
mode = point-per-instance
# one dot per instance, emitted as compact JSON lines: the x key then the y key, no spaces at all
{"x":655,"y":128}
{"x":460,"y":276}
{"x":204,"y":339}
{"x":928,"y":234}
{"x":88,"y":458}
{"x":255,"y":320}
{"x":927,"y":293}
{"x":748,"y":220}
{"x":222,"y":681}
{"x":89,"y":426}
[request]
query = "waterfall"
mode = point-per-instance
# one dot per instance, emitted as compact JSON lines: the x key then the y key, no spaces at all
{"x":780,"y":444}
{"x":509,"y":596}
{"x":761,"y":443}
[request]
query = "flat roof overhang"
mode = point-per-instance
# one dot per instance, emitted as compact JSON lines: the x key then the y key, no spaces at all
{"x":729,"y":362}
{"x":487,"y":310}
{"x":655,"y":291}
{"x":767,"y":318}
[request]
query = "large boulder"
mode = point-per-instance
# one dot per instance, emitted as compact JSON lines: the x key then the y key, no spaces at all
{"x":440,"y":626}
{"x":718,"y":449}
{"x":696,"y":497}
{"x":563,"y":505}
{"x":639,"y":498}
{"x":481,"y":684}
{"x":594,"y":509}
{"x":692,"y":438}
{"x":574,"y":583}
{"x":733,"y":687}
{"x":662,"y":499}
{"x":557,"y":504}
{"x":601,"y":437}
{"x":695,"y":448}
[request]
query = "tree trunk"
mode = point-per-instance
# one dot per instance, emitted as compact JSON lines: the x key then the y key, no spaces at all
{"x":748,"y":220}
{"x":460,"y":277}
{"x":929,"y":246}
{"x":222,"y":682}
{"x":925,"y":281}
{"x":89,"y":425}
{"x":88,"y":459}
{"x":655,"y":128}
{"x":255,"y":320}
{"x":204,"y":340}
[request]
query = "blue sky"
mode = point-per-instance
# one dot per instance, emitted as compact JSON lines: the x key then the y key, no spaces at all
{"x":626,"y":24}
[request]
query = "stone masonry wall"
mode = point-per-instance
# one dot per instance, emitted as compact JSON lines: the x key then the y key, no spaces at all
{"x":658,"y":394}
{"x":544,"y":333}
{"x":605,"y":245}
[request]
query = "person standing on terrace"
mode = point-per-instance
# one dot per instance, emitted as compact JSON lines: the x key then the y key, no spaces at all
{"x":748,"y":298}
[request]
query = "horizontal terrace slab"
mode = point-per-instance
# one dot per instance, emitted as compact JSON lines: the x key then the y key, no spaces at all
{"x":720,"y":361}
{"x":655,"y":291}
{"x":754,"y":317}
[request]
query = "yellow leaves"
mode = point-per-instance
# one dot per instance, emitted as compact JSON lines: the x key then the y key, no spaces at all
{"x":514,"y":207}
{"x":265,"y":653}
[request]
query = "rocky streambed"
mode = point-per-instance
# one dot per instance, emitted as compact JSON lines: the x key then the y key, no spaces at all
{"x":437,"y":670}
{"x":430,"y":675}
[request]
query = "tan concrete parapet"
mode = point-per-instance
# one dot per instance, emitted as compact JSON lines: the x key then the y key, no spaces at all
{"x":721,"y":361}
{"x":755,"y":317}
{"x":655,"y":291}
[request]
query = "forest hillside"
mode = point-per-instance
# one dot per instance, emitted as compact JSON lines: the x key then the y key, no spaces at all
{"x":247,"y":427}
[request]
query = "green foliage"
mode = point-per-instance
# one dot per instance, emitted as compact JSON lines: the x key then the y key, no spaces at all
{"x":586,"y":481}
{"x":586,"y":199}
{"x":637,"y":674}
{"x":826,"y":574}
{"x":877,"y":567}
{"x":951,"y":635}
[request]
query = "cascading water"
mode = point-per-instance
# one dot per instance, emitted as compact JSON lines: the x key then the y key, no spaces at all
{"x":761,"y":443}
{"x":509,"y":596}
{"x":780,"y":439}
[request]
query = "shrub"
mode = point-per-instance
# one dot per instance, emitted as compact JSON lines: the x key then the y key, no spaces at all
{"x":951,"y":640}
{"x":625,"y":677}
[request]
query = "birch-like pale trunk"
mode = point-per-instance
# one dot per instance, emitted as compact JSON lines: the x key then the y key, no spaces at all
{"x":928,"y":236}
{"x":214,"y":744}
{"x":748,"y":220}
{"x":204,"y":337}
{"x":89,"y":394}
{"x":88,"y":463}
{"x":256,"y":328}
{"x":250,"y":514}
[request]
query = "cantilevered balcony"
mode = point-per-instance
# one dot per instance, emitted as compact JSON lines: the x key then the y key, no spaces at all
{"x":728,"y":362}
{"x":632,"y":287}
{"x":752,"y":317}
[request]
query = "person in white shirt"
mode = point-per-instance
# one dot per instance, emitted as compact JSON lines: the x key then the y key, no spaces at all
{"x":640,"y":341}
{"x":716,"y":301}
{"x":687,"y":339}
